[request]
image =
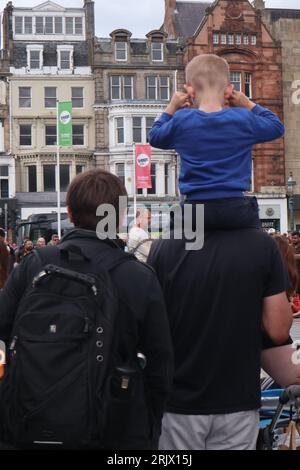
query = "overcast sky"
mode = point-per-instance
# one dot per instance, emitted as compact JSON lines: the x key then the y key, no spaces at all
{"x":139,"y":16}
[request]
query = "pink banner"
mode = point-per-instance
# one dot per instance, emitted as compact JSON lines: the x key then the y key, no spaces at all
{"x":143,"y":166}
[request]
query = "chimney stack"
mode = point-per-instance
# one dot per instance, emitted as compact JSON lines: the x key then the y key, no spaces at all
{"x":169,"y":21}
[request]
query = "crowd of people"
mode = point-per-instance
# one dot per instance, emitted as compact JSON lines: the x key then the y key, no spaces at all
{"x":109,"y":351}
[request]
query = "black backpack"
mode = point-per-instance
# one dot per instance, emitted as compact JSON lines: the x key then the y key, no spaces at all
{"x":63,"y":387}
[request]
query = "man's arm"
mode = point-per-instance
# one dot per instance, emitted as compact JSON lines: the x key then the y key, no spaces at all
{"x":277,"y":317}
{"x":163,"y":130}
{"x":276,"y":310}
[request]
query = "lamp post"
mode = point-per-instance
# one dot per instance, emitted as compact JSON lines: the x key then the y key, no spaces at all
{"x":290,"y":191}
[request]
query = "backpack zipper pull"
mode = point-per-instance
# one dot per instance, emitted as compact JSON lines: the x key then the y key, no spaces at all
{"x":86,"y":326}
{"x":13,"y":343}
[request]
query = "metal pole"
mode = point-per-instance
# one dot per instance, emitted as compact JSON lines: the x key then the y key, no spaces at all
{"x":292,"y":218}
{"x":134,"y":186}
{"x":58,"y":173}
{"x":6,"y":217}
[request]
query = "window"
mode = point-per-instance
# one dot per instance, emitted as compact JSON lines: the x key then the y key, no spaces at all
{"x":253,"y":40}
{"x":152,"y":88}
{"x":28,"y":25}
{"x":24,"y":97}
{"x":153,"y":179}
{"x":50,"y":97}
{"x":4,"y":188}
{"x":50,"y":135}
{"x":246,"y":39}
{"x":121,"y":87}
{"x":65,"y":60}
{"x":223,"y":39}
{"x":49,"y":178}
{"x":78,"y":26}
{"x":238,"y":39}
{"x":235,"y":78}
{"x":120,"y":172}
{"x":137,"y":129}
{"x":58,"y":25}
{"x":32,"y":181}
{"x":167,"y":176}
{"x":49,"y":172}
{"x":158,"y":88}
{"x":149,"y":124}
{"x":18,"y":24}
{"x":35,"y":60}
{"x":120,"y":138}
{"x":39,"y":25}
{"x":25,"y":134}
{"x":49,"y":25}
{"x":216,"y":38}
{"x":157,"y":51}
{"x":80,"y":169}
{"x":64,"y":177}
{"x":78,"y":134}
{"x":77,"y":97}
{"x":121,"y":51}
{"x":164,"y":88}
{"x":69,"y":25}
{"x":248,"y":85}
{"x":4,"y":193}
{"x":230,"y":39}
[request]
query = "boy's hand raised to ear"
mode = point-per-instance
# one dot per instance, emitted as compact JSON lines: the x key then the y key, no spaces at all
{"x":178,"y":101}
{"x":240,"y":100}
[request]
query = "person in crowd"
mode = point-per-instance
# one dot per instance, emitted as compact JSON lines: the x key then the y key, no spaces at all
{"x":218,"y":301}
{"x":278,"y":361}
{"x":54,"y":240}
{"x":141,"y":327}
{"x":295,"y":241}
{"x":41,"y":242}
{"x":138,"y":238}
{"x":28,"y":247}
{"x":10,"y":250}
{"x":4,"y":263}
{"x":215,"y":169}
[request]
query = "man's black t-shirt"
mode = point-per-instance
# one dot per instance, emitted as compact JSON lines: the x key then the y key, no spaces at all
{"x":214,"y":299}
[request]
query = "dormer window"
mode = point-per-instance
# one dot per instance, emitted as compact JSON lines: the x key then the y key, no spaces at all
{"x":74,"y":26}
{"x":65,"y":57}
{"x":28,"y":25}
{"x":157,"y":49}
{"x":35,"y":57}
{"x":121,"y":51}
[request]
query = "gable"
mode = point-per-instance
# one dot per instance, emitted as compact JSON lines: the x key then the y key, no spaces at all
{"x":48,"y":6}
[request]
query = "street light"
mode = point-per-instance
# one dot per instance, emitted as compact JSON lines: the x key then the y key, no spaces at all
{"x":290,"y":191}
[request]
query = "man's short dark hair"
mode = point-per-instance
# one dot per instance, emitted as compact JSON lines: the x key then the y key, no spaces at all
{"x":295,"y":234}
{"x":88,"y":191}
{"x":2,"y":233}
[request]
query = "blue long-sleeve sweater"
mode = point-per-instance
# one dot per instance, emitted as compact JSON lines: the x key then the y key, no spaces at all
{"x":215,"y":148}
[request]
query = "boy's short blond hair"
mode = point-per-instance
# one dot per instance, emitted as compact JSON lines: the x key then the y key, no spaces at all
{"x":208,"y":68}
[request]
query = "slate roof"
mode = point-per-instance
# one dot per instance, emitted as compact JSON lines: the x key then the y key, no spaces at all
{"x":189,"y":17}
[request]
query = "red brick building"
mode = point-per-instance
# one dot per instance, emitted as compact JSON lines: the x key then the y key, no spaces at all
{"x":235,"y":30}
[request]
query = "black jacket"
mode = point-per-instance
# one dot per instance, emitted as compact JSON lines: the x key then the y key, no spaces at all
{"x":142,"y":319}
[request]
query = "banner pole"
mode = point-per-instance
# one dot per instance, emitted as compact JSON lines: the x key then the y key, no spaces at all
{"x":58,"y":172}
{"x":134,"y":184}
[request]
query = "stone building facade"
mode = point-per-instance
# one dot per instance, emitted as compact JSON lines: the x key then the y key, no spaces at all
{"x":134,"y":80}
{"x":285,"y":26}
{"x":236,"y":31}
{"x":7,"y":162}
{"x":50,"y":51}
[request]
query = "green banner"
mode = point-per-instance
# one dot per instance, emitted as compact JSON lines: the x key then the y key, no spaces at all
{"x":65,"y":123}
